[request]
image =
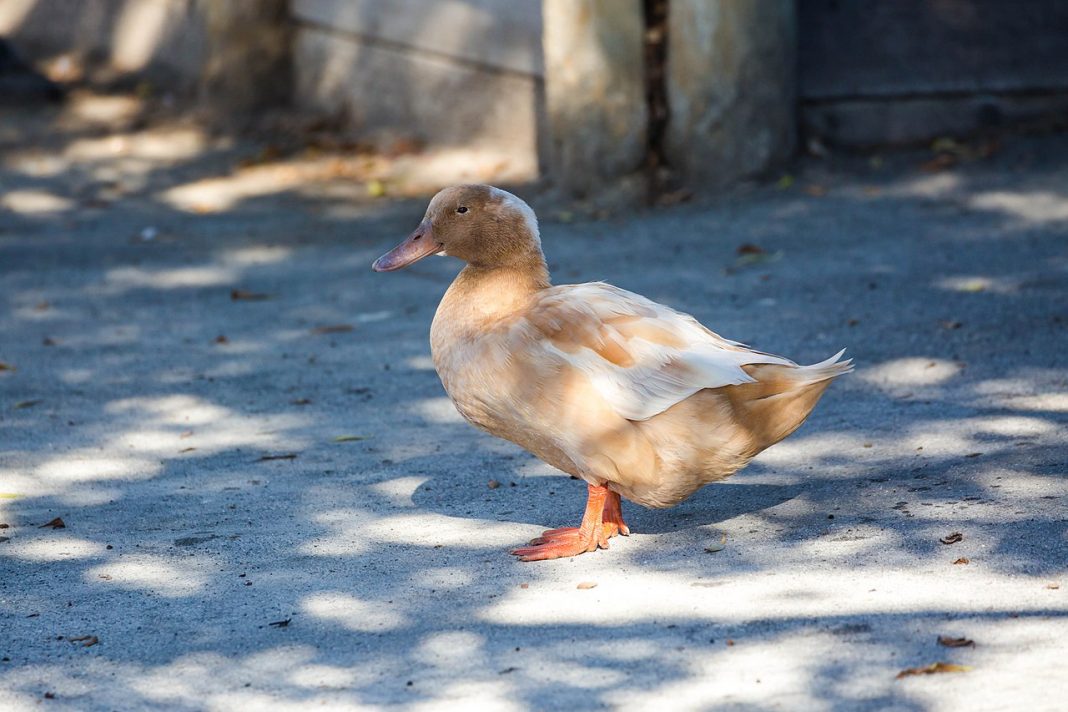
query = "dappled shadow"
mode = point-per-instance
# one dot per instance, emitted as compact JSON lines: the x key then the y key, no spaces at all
{"x":293,"y":458}
{"x":120,"y":40}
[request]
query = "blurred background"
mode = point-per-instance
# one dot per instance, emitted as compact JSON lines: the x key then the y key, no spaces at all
{"x":613,"y":101}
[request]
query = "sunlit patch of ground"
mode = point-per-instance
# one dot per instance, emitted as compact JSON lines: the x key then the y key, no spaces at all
{"x":269,"y":503}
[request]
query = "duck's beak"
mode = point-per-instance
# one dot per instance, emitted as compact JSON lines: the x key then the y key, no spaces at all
{"x":414,"y":248}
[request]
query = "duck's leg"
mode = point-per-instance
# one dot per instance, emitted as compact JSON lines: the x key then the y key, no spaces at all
{"x":613,"y":516}
{"x":602,"y":519}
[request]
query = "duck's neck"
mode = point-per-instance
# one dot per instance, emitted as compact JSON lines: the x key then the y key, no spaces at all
{"x":481,"y":296}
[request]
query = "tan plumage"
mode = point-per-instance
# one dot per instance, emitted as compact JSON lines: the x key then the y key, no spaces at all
{"x":601,"y":383}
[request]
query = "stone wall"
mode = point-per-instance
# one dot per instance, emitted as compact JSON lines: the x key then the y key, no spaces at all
{"x":446,"y":73}
{"x":907,"y":71}
{"x":731,"y":88}
{"x":233,"y":54}
{"x":597,"y":117}
{"x":603,"y":97}
{"x":165,"y":40}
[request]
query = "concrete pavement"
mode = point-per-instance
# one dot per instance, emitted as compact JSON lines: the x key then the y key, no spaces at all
{"x":269,"y":503}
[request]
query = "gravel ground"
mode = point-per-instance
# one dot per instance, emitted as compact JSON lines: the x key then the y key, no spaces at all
{"x":269,"y":503}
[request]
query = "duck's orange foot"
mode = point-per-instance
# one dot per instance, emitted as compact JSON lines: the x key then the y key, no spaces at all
{"x":603,"y":520}
{"x":561,"y":543}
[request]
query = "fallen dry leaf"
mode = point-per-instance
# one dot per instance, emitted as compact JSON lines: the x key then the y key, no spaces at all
{"x":376,"y":188}
{"x":332,"y":329}
{"x":750,"y":249}
{"x":86,"y":640}
{"x":747,"y":259}
{"x":939,"y":163}
{"x":283,"y":456}
{"x":238,"y":295}
{"x":349,"y":438}
{"x":816,"y":191}
{"x":586,"y":585}
{"x":404,"y":146}
{"x":301,"y":401}
{"x":56,"y":523}
{"x":26,"y":404}
{"x":267,"y":154}
{"x":6,"y":366}
{"x":955,"y":642}
{"x":962,"y":560}
{"x":186,"y":449}
{"x":713,"y":548}
{"x":949,"y":324}
{"x":952,"y":538}
{"x":1053,"y":586}
{"x":973,"y":285}
{"x":932,"y":669}
{"x":221,"y":339}
{"x":493,"y":484}
{"x":674,"y":197}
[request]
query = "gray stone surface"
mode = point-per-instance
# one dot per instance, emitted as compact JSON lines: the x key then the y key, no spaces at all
{"x":131,"y":420}
{"x":875,"y":123}
{"x":164,"y":40}
{"x":449,"y":73}
{"x":387,"y":93}
{"x":501,"y":36}
{"x":595,"y":94}
{"x":854,"y":49}
{"x":731,"y":87}
{"x":914,"y":71}
{"x":249,"y":60}
{"x":233,"y":55}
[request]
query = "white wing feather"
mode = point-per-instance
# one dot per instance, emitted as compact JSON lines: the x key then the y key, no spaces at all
{"x":661,"y":356}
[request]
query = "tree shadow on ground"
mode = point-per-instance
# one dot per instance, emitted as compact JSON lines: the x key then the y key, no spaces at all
{"x":214,"y":471}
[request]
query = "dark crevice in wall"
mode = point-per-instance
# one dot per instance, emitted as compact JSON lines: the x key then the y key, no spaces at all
{"x":655,"y":13}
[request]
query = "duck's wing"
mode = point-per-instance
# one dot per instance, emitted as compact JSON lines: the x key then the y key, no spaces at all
{"x":640,"y":356}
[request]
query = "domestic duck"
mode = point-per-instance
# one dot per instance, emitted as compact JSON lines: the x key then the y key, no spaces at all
{"x":635,"y":398}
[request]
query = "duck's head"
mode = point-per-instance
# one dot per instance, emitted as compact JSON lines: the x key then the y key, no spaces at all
{"x":479,"y":224}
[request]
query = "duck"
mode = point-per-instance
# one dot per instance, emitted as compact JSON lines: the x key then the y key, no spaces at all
{"x":638,"y":400}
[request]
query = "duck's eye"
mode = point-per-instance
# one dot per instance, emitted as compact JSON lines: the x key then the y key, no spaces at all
{"x":461,"y":210}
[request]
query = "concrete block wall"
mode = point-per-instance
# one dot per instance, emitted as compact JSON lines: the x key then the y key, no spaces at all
{"x":165,"y":40}
{"x":233,"y":54}
{"x":555,"y":88}
{"x":463,"y":73}
{"x":731,"y":88}
{"x":597,"y":115}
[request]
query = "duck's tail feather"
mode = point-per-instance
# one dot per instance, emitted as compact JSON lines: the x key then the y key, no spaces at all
{"x":825,"y":370}
{"x":782,"y":397}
